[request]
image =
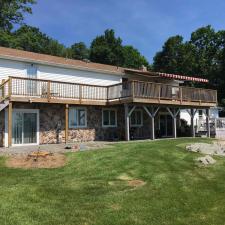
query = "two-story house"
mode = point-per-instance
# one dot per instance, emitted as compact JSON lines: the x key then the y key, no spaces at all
{"x":47,"y":99}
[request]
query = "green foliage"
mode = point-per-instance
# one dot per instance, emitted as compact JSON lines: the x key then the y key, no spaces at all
{"x":12,"y":12}
{"x":175,"y":57}
{"x":79,"y":51}
{"x":32,"y":39}
{"x":203,"y":55}
{"x":107,"y":49}
{"x":133,"y":58}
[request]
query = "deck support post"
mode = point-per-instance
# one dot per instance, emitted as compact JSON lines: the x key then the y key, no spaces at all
{"x":152,"y":113}
{"x":207,"y":122}
{"x":10,"y":124}
{"x":127,"y":123}
{"x":127,"y":120}
{"x":192,"y":113}
{"x":66,"y":122}
{"x":174,"y":113}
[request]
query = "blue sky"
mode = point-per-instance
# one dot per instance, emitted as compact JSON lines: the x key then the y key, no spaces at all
{"x":145,"y":24}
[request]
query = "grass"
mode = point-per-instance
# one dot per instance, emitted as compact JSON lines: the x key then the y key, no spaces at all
{"x":89,"y":189}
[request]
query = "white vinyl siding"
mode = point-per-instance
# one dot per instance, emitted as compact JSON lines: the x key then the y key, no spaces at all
{"x":19,"y":69}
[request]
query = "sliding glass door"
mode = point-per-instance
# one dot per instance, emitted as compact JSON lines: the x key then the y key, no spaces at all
{"x":25,"y":127}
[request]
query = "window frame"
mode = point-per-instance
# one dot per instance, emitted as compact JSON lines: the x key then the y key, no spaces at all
{"x":78,"y":126}
{"x":109,"y":109}
{"x":137,"y":125}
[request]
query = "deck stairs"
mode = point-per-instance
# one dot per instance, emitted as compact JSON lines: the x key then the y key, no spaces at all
{"x":3,"y":105}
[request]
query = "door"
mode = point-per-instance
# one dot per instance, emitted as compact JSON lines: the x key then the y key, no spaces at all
{"x":166,"y":125}
{"x":25,"y":127}
{"x":31,"y":84}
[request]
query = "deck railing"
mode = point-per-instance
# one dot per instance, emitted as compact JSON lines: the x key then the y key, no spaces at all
{"x":26,"y":87}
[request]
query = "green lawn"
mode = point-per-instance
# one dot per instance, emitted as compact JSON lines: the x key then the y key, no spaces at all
{"x":88,"y":191}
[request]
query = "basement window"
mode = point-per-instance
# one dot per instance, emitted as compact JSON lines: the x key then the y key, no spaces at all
{"x":77,"y":117}
{"x":109,"y":118}
{"x":136,"y":118}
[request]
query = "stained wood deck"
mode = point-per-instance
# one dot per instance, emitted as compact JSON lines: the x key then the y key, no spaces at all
{"x":18,"y":89}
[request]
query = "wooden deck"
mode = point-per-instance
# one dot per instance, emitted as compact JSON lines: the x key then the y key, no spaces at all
{"x":18,"y":89}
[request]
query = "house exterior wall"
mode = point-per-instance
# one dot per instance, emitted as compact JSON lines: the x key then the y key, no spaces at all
{"x":2,"y":127}
{"x":55,"y":73}
{"x":19,"y":69}
{"x":52,"y":124}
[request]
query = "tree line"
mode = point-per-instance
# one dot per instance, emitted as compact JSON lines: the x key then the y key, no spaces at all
{"x":203,"y":55}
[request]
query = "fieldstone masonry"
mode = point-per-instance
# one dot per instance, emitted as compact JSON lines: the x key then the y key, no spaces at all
{"x":2,"y":127}
{"x":52,"y":124}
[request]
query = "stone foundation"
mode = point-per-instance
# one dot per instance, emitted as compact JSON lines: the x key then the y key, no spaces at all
{"x":52,"y":124}
{"x":2,"y":127}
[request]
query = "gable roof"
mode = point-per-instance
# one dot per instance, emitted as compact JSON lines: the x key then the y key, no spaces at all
{"x":31,"y":57}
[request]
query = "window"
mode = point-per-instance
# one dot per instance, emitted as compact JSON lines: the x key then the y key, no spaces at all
{"x":109,"y":118}
{"x":77,"y":117}
{"x":136,"y":118}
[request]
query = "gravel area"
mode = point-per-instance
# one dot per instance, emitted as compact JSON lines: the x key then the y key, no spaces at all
{"x":54,"y":148}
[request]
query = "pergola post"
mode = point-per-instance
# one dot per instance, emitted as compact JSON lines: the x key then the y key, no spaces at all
{"x":66,"y":122}
{"x":152,"y":113}
{"x":174,"y":112}
{"x":207,"y":122}
{"x":127,"y":120}
{"x":10,"y":124}
{"x":192,"y":115}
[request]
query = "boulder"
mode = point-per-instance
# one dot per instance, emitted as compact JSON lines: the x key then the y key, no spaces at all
{"x":206,"y":160}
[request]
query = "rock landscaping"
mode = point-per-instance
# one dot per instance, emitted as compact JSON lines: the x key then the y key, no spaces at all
{"x":208,"y":149}
{"x":206,"y":160}
{"x":217,"y":148}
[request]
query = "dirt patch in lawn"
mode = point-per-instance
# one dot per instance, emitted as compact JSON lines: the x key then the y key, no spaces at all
{"x":131,"y":181}
{"x":34,"y":160}
{"x":136,"y":183}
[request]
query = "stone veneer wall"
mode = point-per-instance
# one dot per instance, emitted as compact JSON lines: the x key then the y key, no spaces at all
{"x":95,"y":131}
{"x":2,"y":127}
{"x":52,"y":124}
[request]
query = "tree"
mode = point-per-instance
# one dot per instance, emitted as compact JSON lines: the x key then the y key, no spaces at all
{"x":206,"y":44}
{"x":107,"y":49}
{"x":133,"y":58}
{"x":11,"y":12}
{"x":79,"y":51}
{"x":175,"y":57}
{"x":32,"y":39}
{"x":203,"y":56}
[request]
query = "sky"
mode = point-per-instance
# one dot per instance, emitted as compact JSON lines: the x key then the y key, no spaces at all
{"x":145,"y":24}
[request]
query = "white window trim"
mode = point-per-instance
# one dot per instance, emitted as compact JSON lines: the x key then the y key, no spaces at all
{"x":6,"y":144}
{"x":109,"y":109}
{"x":137,"y":125}
{"x":77,"y":108}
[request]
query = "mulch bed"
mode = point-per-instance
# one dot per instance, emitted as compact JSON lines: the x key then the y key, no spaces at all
{"x":36,"y":160}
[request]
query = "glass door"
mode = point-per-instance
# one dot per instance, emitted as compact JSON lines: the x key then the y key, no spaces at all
{"x":24,"y":128}
{"x":29,"y":128}
{"x":166,"y":125}
{"x":17,"y":133}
